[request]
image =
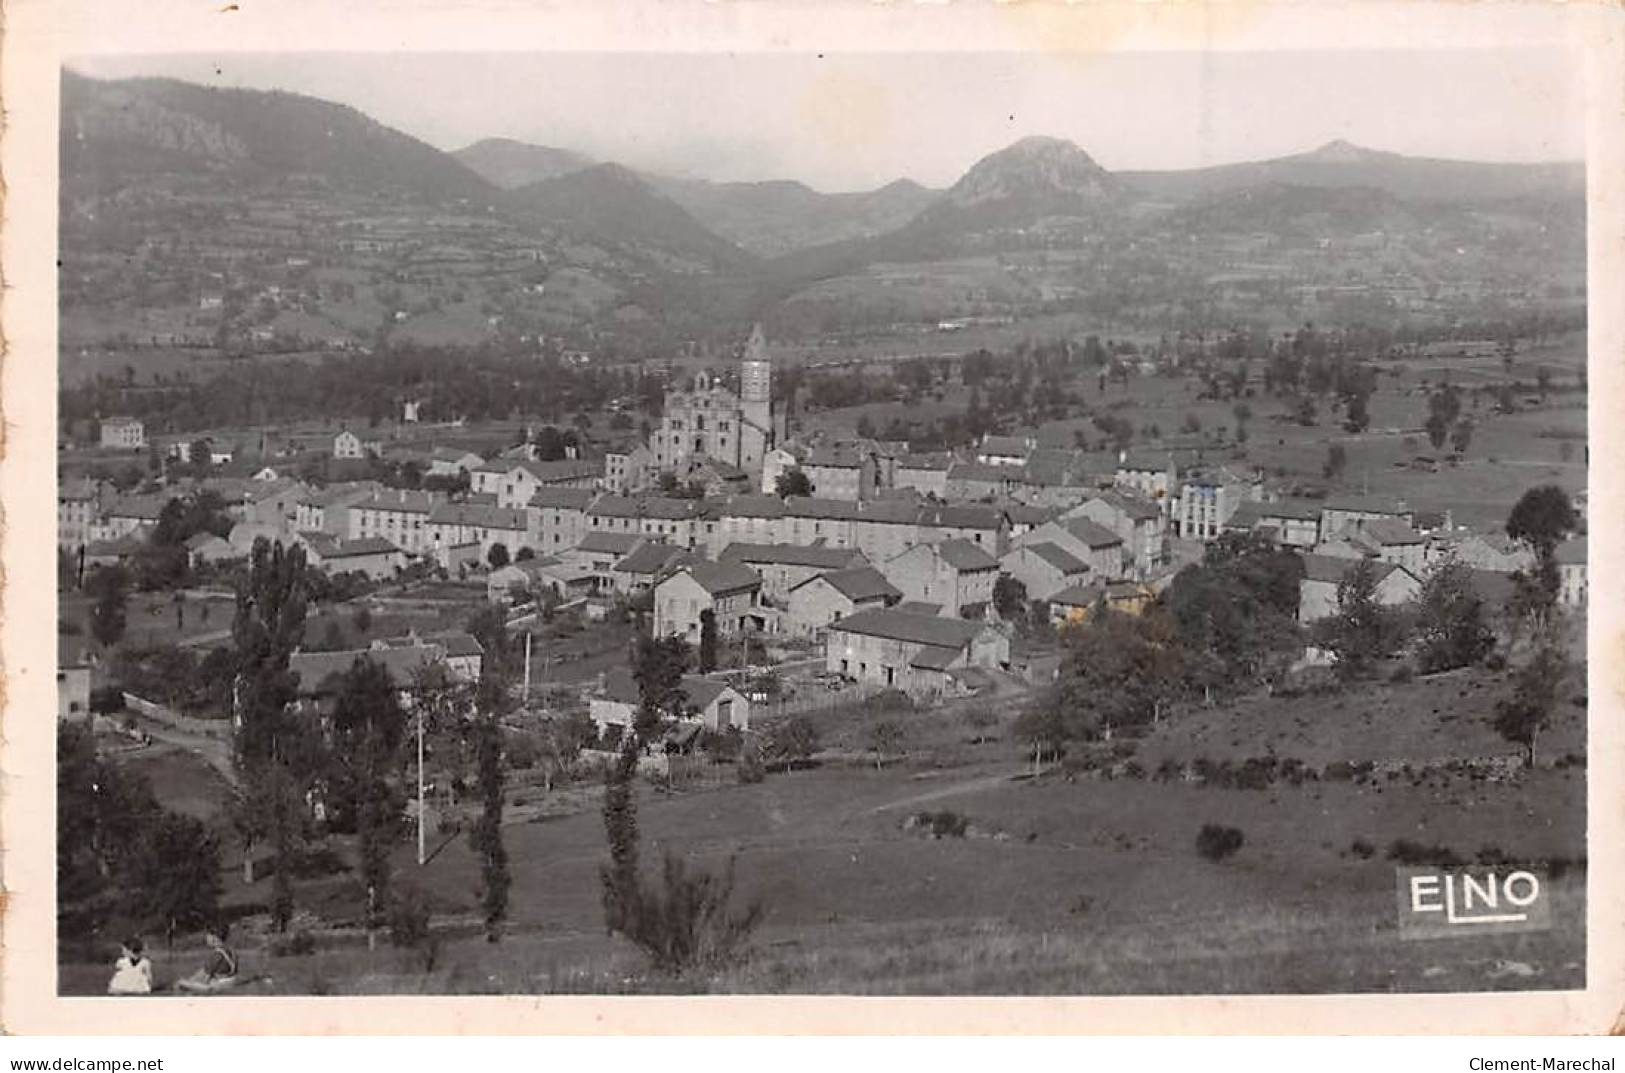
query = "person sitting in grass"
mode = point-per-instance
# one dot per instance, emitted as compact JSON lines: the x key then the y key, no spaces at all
{"x":219,"y":971}
{"x":132,"y":973}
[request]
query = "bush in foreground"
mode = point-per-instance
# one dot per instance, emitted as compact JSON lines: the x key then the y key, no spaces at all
{"x":1216,"y":842}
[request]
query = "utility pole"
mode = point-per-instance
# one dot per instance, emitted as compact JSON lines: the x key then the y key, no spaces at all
{"x":526,"y":693}
{"x":421,"y":816}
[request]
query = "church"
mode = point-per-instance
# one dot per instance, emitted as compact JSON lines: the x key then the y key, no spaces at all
{"x":709,"y":422}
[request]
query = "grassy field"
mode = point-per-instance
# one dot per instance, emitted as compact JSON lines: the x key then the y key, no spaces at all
{"x":1062,"y":884}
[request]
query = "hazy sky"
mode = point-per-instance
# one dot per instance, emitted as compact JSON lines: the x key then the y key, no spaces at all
{"x":855,"y":121}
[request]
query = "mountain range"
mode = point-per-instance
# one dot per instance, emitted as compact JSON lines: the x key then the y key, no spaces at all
{"x":774,"y":236}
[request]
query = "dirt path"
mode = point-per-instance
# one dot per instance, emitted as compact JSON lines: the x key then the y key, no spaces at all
{"x":966,"y":786}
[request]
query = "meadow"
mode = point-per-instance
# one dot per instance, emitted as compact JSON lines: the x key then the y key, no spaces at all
{"x":1082,"y":880}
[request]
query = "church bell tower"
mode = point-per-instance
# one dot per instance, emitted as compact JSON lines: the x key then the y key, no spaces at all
{"x":756,"y":382}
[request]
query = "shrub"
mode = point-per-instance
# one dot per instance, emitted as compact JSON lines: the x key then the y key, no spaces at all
{"x":944,"y":824}
{"x":521,"y":752}
{"x":1362,"y":849}
{"x":1495,"y":661}
{"x":686,"y":920}
{"x":751,"y":769}
{"x":1216,"y":842}
{"x":409,"y":918}
{"x":105,"y":699}
{"x":297,"y":944}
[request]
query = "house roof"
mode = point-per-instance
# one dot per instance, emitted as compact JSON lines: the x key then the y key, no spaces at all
{"x":558,"y":470}
{"x":832,"y":458}
{"x":812,"y":507}
{"x":702,"y":691}
{"x":610,"y":543}
{"x":962,"y":516}
{"x":902,"y":511}
{"x":753,"y":506}
{"x":311,"y":669}
{"x":1082,"y":594}
{"x":1090,"y":533}
{"x":650,"y":558}
{"x":857,"y":583}
{"x":670,"y":508}
{"x":934,"y":658}
{"x":1330,"y":570}
{"x":1391,"y":532}
{"x":1005,"y":446}
{"x":1572,"y":552}
{"x":962,"y":555}
{"x":897,"y":625}
{"x":397,"y":499}
{"x":816,"y":555}
{"x":562,"y":498}
{"x":146,"y":508}
{"x":1366,"y":505}
{"x":720,"y":578}
{"x":364,"y":546}
{"x":934,"y":461}
{"x":457,"y":643}
{"x":980,"y":471}
{"x":479,"y":514}
{"x":1056,"y":556}
{"x":1133,"y":506}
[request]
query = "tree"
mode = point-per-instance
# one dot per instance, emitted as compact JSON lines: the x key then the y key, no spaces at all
{"x":175,"y":879}
{"x":269,"y":624}
{"x":1461,"y":436}
{"x":1044,"y":730}
{"x":486,"y":838}
{"x":368,"y":726}
{"x":1362,"y":631}
{"x":708,"y":641}
{"x":1009,"y":598}
{"x":887,"y":737}
{"x":1542,"y":518}
{"x":497,"y":556}
{"x":109,"y":590}
{"x":1521,"y":717}
{"x":1357,"y":412}
{"x":792,"y":482}
{"x":1450,"y":620}
{"x":658,"y":668}
{"x":1306,"y":412}
{"x":1444,"y":407}
{"x":1337,"y":460}
{"x":793,"y":741}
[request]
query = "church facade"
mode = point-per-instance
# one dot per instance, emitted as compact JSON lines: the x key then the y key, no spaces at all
{"x":708,"y":422}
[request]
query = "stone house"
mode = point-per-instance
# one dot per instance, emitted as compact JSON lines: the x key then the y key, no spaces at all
{"x":1139,"y":522}
{"x":1043,"y":568}
{"x":556,"y":518}
{"x":1098,"y":548}
{"x":915,"y":653}
{"x":824,"y":598}
{"x":731,"y":592}
{"x":784,"y":566}
{"x":1317,"y":592}
{"x":955,"y":573}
